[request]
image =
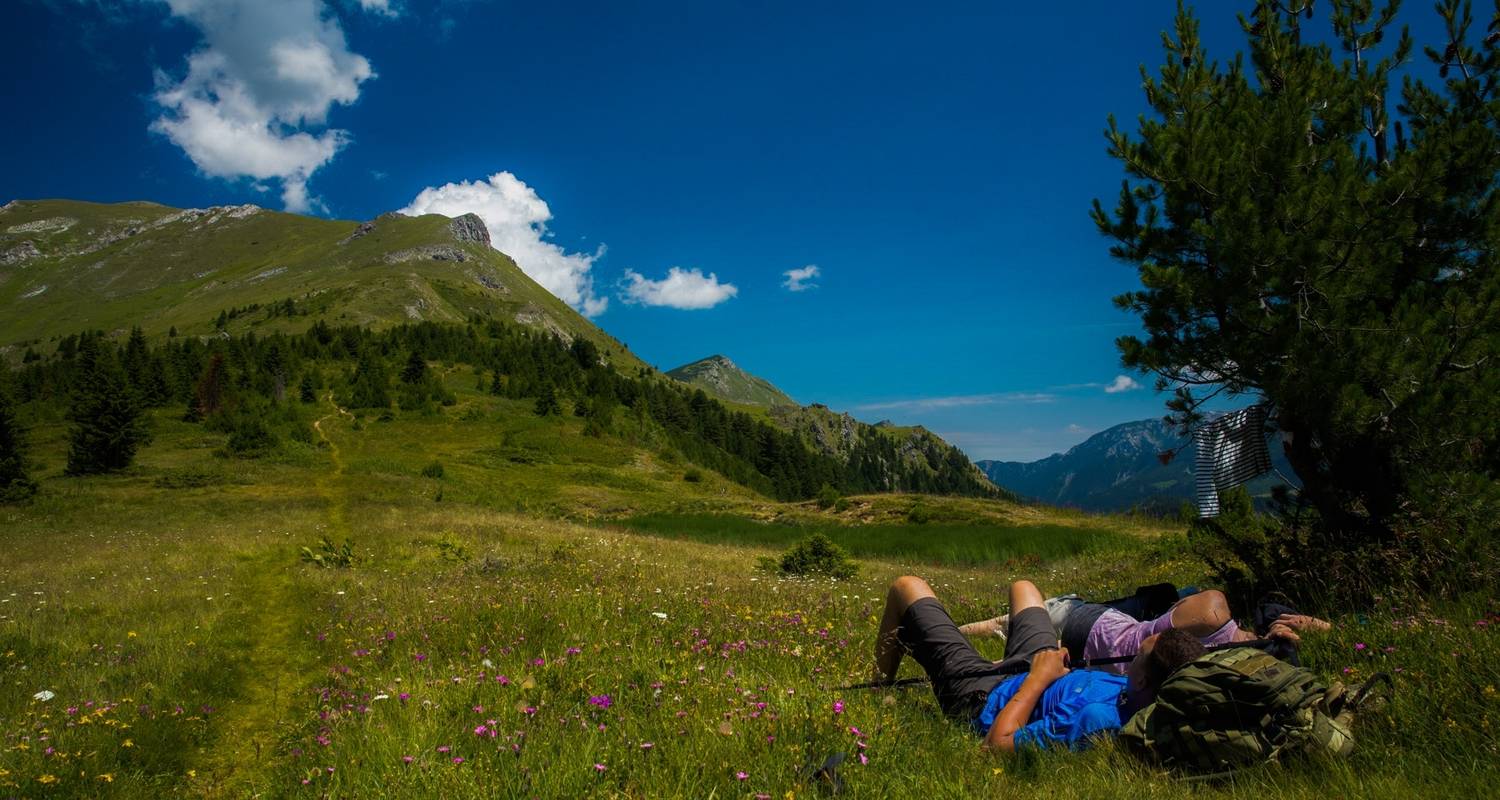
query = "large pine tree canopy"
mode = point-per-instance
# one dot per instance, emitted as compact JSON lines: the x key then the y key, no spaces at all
{"x":1317,"y":226}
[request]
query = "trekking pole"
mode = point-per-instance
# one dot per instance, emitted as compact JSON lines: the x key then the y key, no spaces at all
{"x":1016,"y":669}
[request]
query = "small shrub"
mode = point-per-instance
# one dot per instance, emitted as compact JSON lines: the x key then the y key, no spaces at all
{"x":453,"y":551}
{"x":842,"y":505}
{"x":433,"y":470}
{"x":328,"y":555}
{"x":827,"y":497}
{"x":693,"y":476}
{"x":814,"y":555}
{"x":919,"y":514}
{"x":249,"y":438}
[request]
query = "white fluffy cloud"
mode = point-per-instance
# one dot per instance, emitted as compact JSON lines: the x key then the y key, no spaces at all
{"x":265,"y":71}
{"x":1122,"y":383}
{"x":517,"y":218}
{"x":682,"y":288}
{"x":798,"y":280}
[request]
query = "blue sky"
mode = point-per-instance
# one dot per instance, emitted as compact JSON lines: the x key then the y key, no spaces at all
{"x":663,"y":166}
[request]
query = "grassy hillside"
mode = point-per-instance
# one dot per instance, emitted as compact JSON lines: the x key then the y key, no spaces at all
{"x":67,"y":266}
{"x":554,"y":617}
{"x":721,"y":378}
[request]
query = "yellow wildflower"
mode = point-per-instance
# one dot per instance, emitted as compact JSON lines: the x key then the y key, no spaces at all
{"x":129,"y":635}
{"x":127,"y":743}
{"x":46,"y":778}
{"x":107,"y":777}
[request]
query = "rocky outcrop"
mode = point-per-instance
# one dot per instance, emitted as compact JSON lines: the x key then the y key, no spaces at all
{"x":20,"y":254}
{"x":531,"y":314}
{"x":426,"y":253}
{"x":359,"y":232}
{"x":469,"y":228}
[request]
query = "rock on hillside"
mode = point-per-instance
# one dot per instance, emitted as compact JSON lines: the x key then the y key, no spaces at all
{"x":720,"y":377}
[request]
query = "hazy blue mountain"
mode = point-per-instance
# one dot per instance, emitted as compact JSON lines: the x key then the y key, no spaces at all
{"x":1118,"y":469}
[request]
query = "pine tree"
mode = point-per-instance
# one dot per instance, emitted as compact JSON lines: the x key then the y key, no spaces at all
{"x":370,"y":387}
{"x":15,"y":485}
{"x":108,"y":425}
{"x":211,"y":395}
{"x":1300,"y":243}
{"x":415,"y":371}
{"x":306,"y":392}
{"x":547,"y":405}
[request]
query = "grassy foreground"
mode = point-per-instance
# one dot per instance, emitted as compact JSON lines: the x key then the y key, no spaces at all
{"x":483,"y":645}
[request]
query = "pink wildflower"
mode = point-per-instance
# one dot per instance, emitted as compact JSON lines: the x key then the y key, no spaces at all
{"x":838,"y":706}
{"x":600,"y":767}
{"x":742,"y":775}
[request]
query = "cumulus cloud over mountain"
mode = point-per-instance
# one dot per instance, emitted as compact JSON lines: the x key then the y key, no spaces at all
{"x":681,"y":288}
{"x":517,"y":218}
{"x":257,"y":91}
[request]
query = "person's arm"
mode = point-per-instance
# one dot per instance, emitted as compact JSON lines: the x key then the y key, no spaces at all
{"x":1046,"y":667}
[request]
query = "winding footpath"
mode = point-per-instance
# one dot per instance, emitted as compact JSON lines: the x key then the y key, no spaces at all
{"x":278,"y":662}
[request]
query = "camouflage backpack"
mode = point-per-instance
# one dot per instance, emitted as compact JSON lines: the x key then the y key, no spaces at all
{"x":1236,"y":708}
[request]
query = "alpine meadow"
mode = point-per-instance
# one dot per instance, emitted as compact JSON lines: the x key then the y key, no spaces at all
{"x":293,"y":505}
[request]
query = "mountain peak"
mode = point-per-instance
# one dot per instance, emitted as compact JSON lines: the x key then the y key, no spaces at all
{"x":720,"y":377}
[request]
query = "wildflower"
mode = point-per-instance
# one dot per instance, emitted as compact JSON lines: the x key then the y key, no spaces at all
{"x":1359,"y":645}
{"x":404,"y":696}
{"x":600,"y":767}
{"x":838,"y":706}
{"x":863,"y":759}
{"x":443,"y":748}
{"x":458,"y":760}
{"x":480,"y":730}
{"x":107,"y":777}
{"x":573,"y":651}
{"x":647,"y":745}
{"x":44,"y":695}
{"x":659,"y":614}
{"x":502,"y":680}
{"x":741,"y":775}
{"x":46,"y":778}
{"x":380,"y":697}
{"x":407,"y":759}
{"x":600,"y":700}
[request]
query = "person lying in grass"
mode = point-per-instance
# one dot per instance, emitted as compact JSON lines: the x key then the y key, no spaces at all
{"x":1048,"y":706}
{"x":1104,"y":631}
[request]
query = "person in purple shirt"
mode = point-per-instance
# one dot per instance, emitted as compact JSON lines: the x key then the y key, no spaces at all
{"x":1047,"y":706}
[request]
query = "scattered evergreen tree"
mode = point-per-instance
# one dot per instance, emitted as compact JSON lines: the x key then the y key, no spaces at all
{"x":15,"y":485}
{"x":306,"y":392}
{"x":31,"y":356}
{"x":211,"y":394}
{"x":547,"y":405}
{"x":1299,"y":242}
{"x":108,"y":425}
{"x":371,"y":387}
{"x":172,"y":332}
{"x":415,"y":371}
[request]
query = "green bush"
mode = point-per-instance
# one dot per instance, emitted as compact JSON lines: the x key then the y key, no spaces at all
{"x":328,"y":555}
{"x":828,"y":497}
{"x":693,"y":476}
{"x":814,"y":555}
{"x":433,"y":470}
{"x":919,"y":514}
{"x":250,"y":437}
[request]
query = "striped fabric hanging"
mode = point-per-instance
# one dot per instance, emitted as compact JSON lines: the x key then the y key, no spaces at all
{"x":1231,"y":450}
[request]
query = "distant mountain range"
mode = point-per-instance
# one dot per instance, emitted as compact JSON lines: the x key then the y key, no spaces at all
{"x":1119,"y":469}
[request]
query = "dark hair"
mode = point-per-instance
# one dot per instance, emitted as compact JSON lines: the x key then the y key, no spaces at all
{"x":1174,"y":648}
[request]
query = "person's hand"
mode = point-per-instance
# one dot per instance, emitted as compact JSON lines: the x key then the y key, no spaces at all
{"x":1301,"y":622}
{"x":1280,"y":630}
{"x":1049,"y":665}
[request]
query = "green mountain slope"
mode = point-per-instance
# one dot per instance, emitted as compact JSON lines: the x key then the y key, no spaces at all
{"x":67,"y":266}
{"x":722,"y":378}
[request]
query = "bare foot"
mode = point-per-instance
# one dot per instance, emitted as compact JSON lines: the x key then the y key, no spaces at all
{"x":1302,"y":622}
{"x":988,"y":627}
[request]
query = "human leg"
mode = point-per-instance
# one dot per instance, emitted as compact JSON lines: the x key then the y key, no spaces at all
{"x":903,"y":591}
